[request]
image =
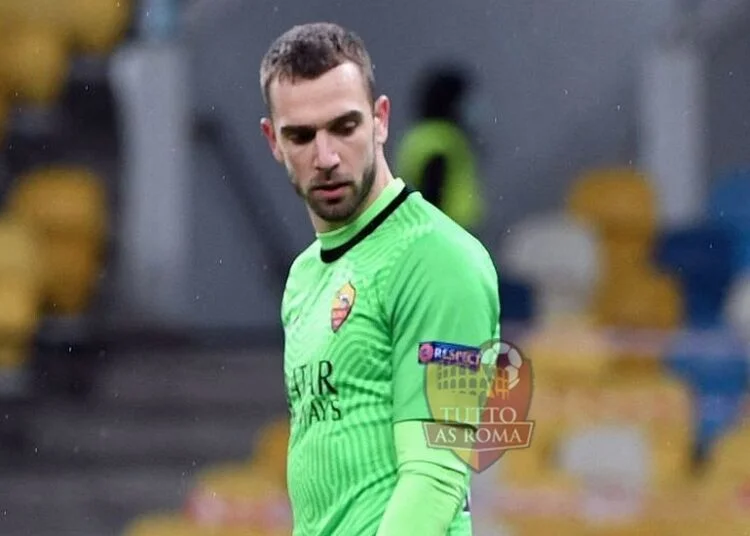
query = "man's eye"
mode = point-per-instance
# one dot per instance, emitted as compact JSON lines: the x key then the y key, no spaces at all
{"x":346,"y":128}
{"x":301,"y":138}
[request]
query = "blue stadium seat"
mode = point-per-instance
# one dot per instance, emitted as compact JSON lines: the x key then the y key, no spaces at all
{"x":708,"y":355}
{"x":729,"y":205}
{"x":700,"y":258}
{"x":713,"y":363}
{"x":516,"y":300}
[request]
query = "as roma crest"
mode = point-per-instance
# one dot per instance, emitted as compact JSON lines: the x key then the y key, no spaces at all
{"x":343,"y":302}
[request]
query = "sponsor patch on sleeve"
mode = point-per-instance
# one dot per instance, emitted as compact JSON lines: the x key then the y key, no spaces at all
{"x":445,"y":353}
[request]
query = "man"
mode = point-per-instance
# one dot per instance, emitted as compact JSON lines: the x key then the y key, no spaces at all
{"x":386,"y":272}
{"x":436,"y":155}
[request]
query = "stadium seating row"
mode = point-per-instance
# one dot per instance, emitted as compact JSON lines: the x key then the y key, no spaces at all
{"x":54,"y":225}
{"x":614,"y":457}
{"x":39,"y":38}
{"x":53,"y":230}
{"x":649,"y":298}
{"x":692,"y":267}
{"x":640,"y":353}
{"x":246,"y":498}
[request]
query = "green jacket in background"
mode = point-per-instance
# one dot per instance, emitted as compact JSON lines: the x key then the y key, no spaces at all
{"x":461,"y":199}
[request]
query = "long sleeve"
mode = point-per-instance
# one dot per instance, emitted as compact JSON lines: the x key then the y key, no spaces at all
{"x":432,"y":486}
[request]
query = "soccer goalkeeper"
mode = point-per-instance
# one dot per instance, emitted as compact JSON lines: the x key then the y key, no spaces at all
{"x":386,"y":272}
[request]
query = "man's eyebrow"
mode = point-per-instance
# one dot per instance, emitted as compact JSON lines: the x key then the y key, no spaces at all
{"x":353,"y":115}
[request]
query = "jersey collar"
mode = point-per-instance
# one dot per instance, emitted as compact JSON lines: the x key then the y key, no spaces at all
{"x":334,"y":244}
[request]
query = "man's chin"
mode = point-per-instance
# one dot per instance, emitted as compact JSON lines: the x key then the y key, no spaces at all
{"x":335,"y":212}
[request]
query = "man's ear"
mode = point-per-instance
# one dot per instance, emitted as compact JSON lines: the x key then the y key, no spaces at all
{"x":381,"y":112}
{"x":266,"y":126}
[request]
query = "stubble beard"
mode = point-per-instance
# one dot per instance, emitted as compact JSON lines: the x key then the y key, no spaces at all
{"x":348,"y":206}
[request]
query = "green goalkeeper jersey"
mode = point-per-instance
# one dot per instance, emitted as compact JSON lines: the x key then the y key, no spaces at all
{"x":357,"y":304}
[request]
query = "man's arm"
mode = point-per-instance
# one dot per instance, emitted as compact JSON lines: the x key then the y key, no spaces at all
{"x":432,"y":486}
{"x":443,"y":293}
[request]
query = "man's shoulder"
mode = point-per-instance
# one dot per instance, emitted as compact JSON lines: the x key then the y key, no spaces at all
{"x":432,"y":235}
{"x":451,"y":250}
{"x":308,"y":258}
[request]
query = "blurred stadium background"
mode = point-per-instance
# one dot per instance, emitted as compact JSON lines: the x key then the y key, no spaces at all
{"x":146,"y":232}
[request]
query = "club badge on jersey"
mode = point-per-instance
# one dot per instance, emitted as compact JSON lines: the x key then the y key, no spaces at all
{"x":342,"y":305}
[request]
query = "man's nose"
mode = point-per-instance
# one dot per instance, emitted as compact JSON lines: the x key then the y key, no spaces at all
{"x":326,"y":156}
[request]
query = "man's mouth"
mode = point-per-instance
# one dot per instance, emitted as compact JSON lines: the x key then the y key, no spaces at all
{"x":331,"y":191}
{"x":331,"y":186}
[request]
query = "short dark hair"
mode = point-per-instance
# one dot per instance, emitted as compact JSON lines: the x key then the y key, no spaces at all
{"x":310,"y":50}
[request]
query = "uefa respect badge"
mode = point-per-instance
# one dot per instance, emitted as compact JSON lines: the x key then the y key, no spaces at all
{"x":488,"y":390}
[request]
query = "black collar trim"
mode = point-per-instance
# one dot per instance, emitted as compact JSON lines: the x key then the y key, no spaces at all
{"x":334,"y":254}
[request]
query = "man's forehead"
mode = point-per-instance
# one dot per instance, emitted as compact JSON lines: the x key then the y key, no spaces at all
{"x":316,"y":102}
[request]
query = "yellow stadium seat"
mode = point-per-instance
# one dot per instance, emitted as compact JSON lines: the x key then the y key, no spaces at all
{"x":659,"y":411}
{"x":570,"y":358}
{"x":553,"y":409}
{"x":74,"y":283}
{"x":165,"y":525}
{"x":51,"y":14}
{"x":619,"y":202}
{"x":632,"y":294}
{"x":655,"y":420}
{"x":177,"y":524}
{"x":34,"y":64}
{"x":236,"y":494}
{"x":728,"y":459}
{"x":98,"y":26}
{"x":638,"y":526}
{"x":536,"y":463}
{"x":556,"y":411}
{"x":543,"y":508}
{"x":647,"y":300}
{"x":63,"y":199}
{"x":534,"y":466}
{"x":621,"y":514}
{"x":570,"y":351}
{"x":66,"y":207}
{"x":643,"y":308}
{"x":534,"y":526}
{"x":626,"y":258}
{"x":20,"y":291}
{"x":662,"y":408}
{"x":84,"y":26}
{"x":270,"y":454}
{"x":715,"y":506}
{"x":673,"y":434}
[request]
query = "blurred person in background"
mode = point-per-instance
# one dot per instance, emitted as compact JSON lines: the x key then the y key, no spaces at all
{"x":437,"y":153}
{"x":386,"y":272}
